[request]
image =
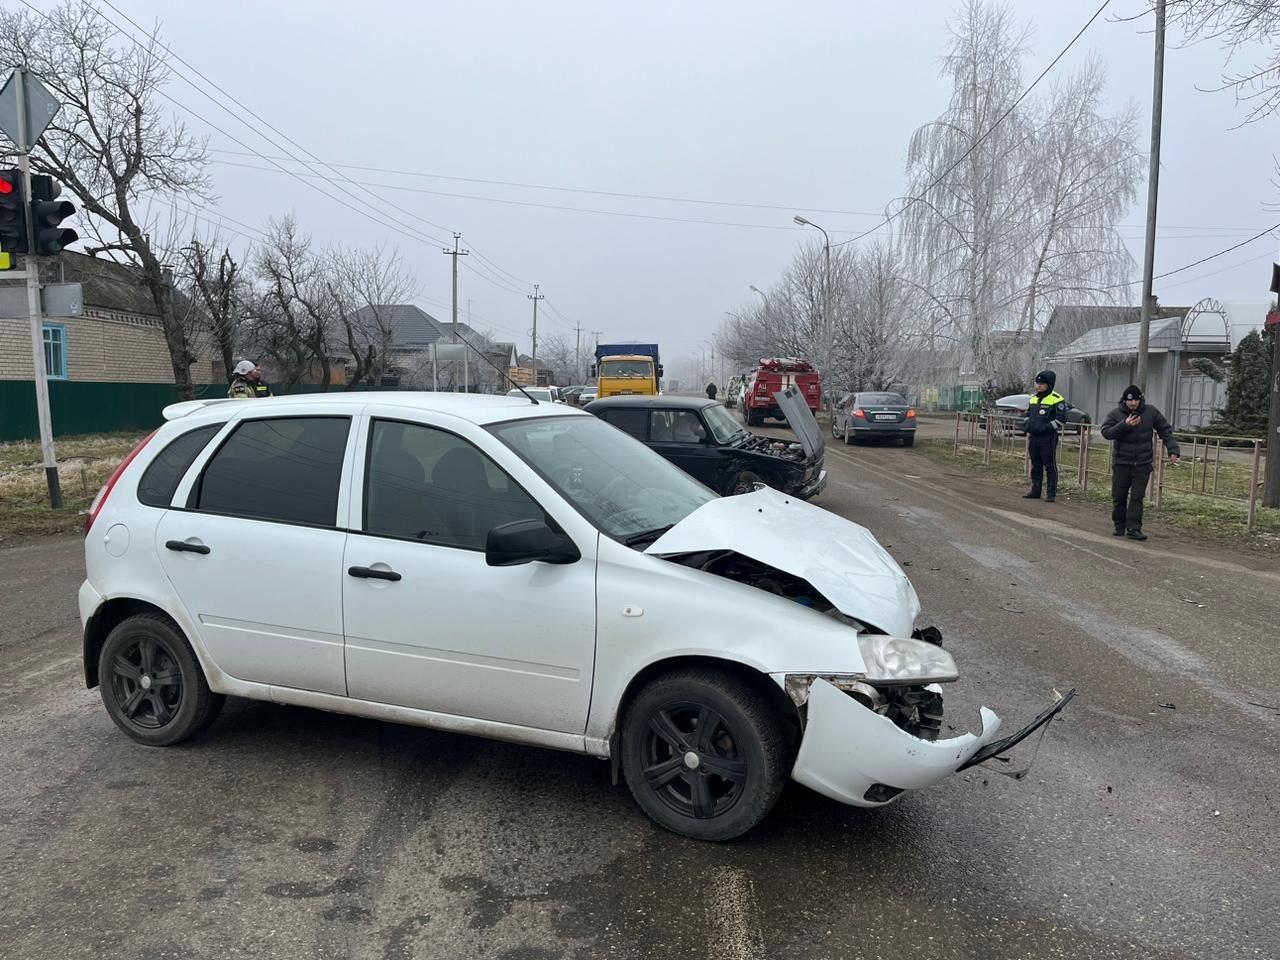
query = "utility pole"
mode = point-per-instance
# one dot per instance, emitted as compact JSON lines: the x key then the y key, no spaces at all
{"x":1271,"y":481}
{"x":456,"y":252}
{"x":535,"y":297}
{"x":577,"y":351}
{"x":828,"y":330}
{"x":1153,"y":192}
{"x":31,"y":268}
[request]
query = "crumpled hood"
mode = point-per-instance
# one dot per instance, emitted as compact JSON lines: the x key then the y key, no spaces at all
{"x":841,"y":559}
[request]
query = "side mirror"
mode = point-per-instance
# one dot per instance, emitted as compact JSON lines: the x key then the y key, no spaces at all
{"x":524,"y":541}
{"x":660,"y":374}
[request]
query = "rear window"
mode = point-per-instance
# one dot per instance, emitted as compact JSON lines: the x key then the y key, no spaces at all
{"x":161,"y":479}
{"x":883,"y":399}
{"x":288,"y":470}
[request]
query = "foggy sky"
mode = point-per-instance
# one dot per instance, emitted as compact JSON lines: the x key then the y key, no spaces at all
{"x":807,"y":106}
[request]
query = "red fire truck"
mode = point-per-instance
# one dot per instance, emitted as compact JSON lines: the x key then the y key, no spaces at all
{"x":773,"y":376}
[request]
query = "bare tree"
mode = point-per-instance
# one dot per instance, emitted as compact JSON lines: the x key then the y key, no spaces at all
{"x":1012,"y":208}
{"x":366,"y":286}
{"x":214,"y":280}
{"x":110,"y":144}
{"x":557,"y":354}
{"x":1238,"y":24}
{"x":294,"y":310}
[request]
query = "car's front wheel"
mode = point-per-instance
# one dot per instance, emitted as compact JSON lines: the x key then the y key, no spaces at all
{"x":705,"y":755}
{"x":152,"y":683}
{"x":835,"y":434}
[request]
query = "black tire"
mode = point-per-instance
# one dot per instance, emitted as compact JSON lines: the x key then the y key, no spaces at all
{"x":152,"y":684}
{"x":908,"y":441}
{"x":744,"y":483}
{"x":753,"y":419}
{"x":745,"y":743}
{"x":835,"y":435}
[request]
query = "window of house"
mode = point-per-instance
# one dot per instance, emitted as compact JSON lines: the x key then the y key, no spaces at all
{"x":430,"y":485}
{"x":55,"y":351}
{"x":287,"y":469}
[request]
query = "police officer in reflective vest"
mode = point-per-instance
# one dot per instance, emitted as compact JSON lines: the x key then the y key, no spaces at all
{"x":247,"y":382}
{"x":1046,"y":413}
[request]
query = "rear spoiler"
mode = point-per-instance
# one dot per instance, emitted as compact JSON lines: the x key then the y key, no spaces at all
{"x":176,"y":411}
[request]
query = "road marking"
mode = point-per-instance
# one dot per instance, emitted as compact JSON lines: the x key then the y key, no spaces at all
{"x":736,"y":933}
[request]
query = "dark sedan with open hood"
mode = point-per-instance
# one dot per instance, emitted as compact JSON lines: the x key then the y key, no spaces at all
{"x":702,"y":438}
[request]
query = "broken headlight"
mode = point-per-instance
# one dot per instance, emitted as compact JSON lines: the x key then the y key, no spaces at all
{"x":893,"y":661}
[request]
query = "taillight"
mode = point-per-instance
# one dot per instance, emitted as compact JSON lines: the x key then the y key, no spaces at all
{"x":859,"y":413}
{"x":100,"y":500}
{"x":911,"y":413}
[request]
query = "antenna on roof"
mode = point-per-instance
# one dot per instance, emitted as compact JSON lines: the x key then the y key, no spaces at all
{"x":504,"y":373}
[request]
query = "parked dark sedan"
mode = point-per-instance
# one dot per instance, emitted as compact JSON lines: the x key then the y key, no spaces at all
{"x":1013,"y":409}
{"x":705,"y":440}
{"x":868,"y":414}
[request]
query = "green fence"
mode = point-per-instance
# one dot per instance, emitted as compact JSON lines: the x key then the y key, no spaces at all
{"x":80,"y":407}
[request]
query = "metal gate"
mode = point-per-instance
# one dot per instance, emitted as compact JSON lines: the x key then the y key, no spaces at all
{"x":1199,"y":399}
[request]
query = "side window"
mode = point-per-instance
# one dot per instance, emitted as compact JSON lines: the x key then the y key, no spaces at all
{"x":162,"y":476}
{"x":288,"y":470}
{"x":676,"y":426}
{"x":631,"y":420}
{"x":430,"y":485}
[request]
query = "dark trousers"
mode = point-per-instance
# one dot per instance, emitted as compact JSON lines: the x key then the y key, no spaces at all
{"x":1044,"y":460}
{"x":1128,"y":487}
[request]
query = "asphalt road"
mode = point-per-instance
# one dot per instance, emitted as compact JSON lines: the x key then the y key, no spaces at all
{"x":1146,"y":828}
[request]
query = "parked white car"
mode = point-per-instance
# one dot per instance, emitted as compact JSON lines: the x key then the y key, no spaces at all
{"x":517,"y":570}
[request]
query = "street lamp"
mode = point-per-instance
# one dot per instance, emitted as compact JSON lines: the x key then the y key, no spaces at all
{"x":827,"y":333}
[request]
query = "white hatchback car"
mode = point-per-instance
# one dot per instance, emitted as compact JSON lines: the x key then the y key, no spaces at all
{"x":518,"y":570}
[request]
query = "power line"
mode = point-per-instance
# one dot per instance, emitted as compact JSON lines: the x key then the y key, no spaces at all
{"x":1213,"y":256}
{"x":643,"y":196}
{"x":549,"y":206}
{"x":378,"y":215}
{"x":990,"y":130}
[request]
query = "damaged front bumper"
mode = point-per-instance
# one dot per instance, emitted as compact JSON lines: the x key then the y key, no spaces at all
{"x":856,"y":756}
{"x":814,"y":487}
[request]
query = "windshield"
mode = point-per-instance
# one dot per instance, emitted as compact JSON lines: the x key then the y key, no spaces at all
{"x":626,"y":368}
{"x":883,"y":399}
{"x":723,"y":426}
{"x":614,"y":480}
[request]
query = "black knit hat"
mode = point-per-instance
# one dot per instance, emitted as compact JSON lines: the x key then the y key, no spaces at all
{"x":1131,"y":392}
{"x":1047,"y":377}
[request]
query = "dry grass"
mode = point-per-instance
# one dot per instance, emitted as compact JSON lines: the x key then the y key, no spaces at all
{"x":84,"y":463}
{"x":1215,"y":519}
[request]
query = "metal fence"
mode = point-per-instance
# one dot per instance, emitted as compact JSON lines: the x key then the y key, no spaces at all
{"x":1221,"y":468}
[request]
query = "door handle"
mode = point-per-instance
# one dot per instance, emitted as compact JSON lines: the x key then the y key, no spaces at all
{"x":181,"y":546}
{"x":368,"y":573}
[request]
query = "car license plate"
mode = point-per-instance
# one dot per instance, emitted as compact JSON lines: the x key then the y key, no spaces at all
{"x":886,"y":416}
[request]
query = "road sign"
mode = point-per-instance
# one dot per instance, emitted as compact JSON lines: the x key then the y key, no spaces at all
{"x":58,"y":299}
{"x":41,"y":108}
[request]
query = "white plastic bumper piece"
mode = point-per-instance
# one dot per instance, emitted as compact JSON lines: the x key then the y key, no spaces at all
{"x":847,"y":749}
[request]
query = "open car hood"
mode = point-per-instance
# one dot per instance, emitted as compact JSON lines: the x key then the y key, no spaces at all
{"x":840,"y":559}
{"x":801,"y":420}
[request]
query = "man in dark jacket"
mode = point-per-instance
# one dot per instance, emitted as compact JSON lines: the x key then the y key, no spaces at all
{"x":1046,"y":413}
{"x":711,"y":390}
{"x":1130,"y":427}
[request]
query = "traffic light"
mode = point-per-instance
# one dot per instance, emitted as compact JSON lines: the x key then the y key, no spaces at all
{"x":13,"y":213}
{"x":47,"y":214}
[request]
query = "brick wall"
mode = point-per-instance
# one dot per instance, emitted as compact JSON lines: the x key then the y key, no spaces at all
{"x":102,"y":346}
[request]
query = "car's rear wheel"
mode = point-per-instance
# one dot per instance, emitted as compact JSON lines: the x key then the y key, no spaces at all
{"x":908,"y":441}
{"x":705,"y":755}
{"x":152,"y":684}
{"x":835,"y":434}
